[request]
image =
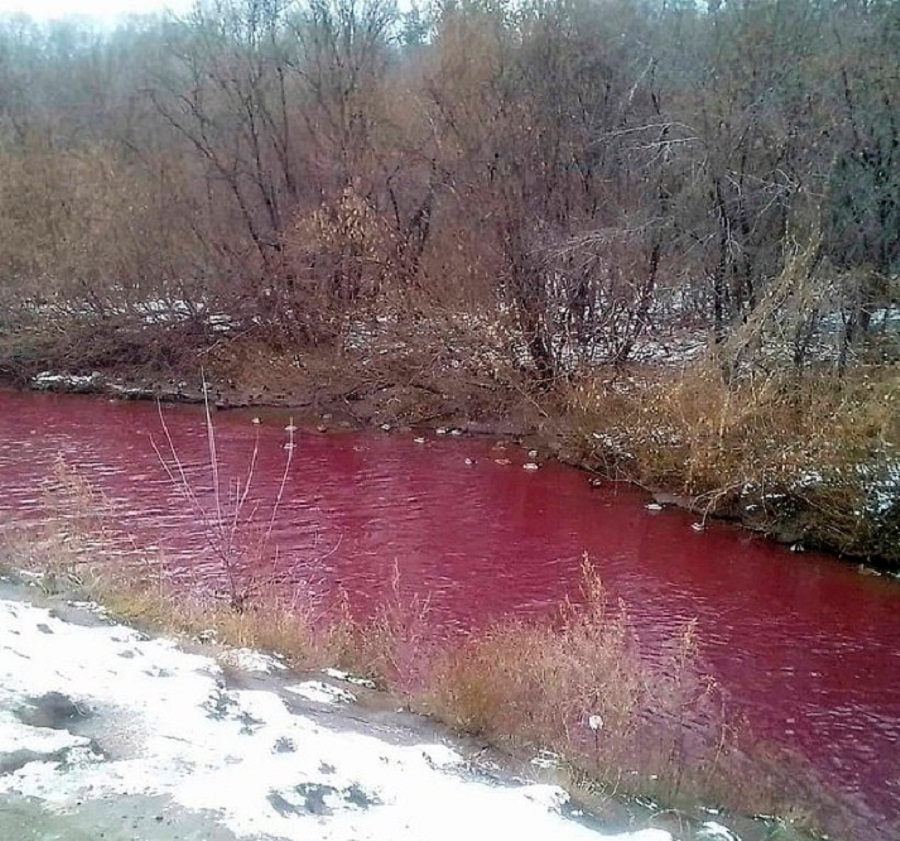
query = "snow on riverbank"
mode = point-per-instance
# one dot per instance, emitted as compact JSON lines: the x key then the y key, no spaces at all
{"x":97,"y":713}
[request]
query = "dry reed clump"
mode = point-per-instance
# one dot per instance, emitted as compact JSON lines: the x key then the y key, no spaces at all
{"x":134,"y":588}
{"x":77,"y":553}
{"x":392,"y":648}
{"x":579,"y":686}
{"x":804,"y":453}
{"x":73,"y":505}
{"x":236,"y":534}
{"x":72,"y":543}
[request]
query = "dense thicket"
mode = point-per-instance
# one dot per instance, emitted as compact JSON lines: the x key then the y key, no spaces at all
{"x":584,"y":173}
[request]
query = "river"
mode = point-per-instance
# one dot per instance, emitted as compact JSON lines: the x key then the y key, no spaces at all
{"x":803,"y":644}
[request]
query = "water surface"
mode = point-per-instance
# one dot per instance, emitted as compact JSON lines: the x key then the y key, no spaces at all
{"x":804,"y":644}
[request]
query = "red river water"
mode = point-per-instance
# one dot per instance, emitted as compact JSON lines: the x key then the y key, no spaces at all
{"x":804,"y":645}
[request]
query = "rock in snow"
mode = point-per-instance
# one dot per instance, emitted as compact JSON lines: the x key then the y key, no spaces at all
{"x":94,"y":716}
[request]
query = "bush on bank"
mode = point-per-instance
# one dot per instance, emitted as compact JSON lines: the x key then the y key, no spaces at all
{"x":813,"y":460}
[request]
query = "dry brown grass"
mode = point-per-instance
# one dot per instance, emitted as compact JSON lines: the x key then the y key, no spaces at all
{"x":578,"y":685}
{"x":791,"y":446}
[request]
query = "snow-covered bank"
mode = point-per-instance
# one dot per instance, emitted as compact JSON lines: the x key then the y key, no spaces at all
{"x":94,"y":714}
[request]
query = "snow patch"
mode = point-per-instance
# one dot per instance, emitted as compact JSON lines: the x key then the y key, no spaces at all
{"x":71,"y":382}
{"x":43,"y":741}
{"x":320,"y":692}
{"x":882,"y":482}
{"x":338,"y":674}
{"x":248,"y":660}
{"x":715,"y":830}
{"x":441,"y":756}
{"x":162,"y":723}
{"x":552,"y":798}
{"x":90,"y":607}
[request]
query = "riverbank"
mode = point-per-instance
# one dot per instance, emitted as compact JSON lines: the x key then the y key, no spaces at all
{"x":108,"y":730}
{"x":612,"y":725}
{"x":810,"y":460}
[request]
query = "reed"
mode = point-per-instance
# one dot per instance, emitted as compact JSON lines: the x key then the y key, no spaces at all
{"x":578,"y":684}
{"x":236,"y":533}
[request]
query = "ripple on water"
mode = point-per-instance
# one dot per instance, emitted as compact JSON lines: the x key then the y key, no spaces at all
{"x":808,"y":648}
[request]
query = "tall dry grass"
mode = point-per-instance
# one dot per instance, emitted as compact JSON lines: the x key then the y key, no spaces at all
{"x":578,"y":685}
{"x":790,"y":453}
{"x":236,"y":532}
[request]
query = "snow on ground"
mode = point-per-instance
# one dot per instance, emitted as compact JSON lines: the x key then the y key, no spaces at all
{"x":320,"y":692}
{"x":882,"y":482}
{"x":100,"y":713}
{"x":716,"y":832}
{"x":248,"y":660}
{"x":338,"y":674}
{"x":878,"y":479}
{"x":47,"y":380}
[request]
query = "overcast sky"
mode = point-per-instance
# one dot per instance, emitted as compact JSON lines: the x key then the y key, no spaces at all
{"x":104,"y":10}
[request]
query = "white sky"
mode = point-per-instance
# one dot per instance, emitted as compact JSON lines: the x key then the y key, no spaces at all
{"x":102,"y":10}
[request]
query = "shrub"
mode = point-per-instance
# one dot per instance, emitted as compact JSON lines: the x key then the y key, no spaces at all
{"x":577,"y":684}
